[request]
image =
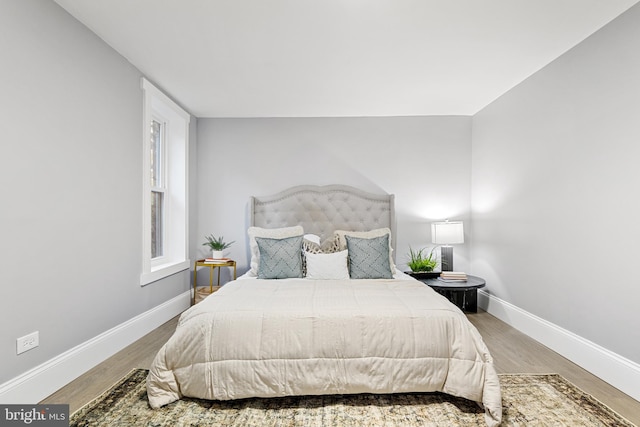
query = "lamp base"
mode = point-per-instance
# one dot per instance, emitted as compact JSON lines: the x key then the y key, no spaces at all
{"x":446,"y":258}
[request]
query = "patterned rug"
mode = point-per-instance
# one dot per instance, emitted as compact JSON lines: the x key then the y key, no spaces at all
{"x":528,"y":400}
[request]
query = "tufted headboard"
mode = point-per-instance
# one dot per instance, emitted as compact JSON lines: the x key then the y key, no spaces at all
{"x":322,"y":209}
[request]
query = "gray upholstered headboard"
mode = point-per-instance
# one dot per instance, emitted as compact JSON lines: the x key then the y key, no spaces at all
{"x":322,"y":209}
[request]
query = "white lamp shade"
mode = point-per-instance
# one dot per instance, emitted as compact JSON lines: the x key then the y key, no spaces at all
{"x":447,"y":233}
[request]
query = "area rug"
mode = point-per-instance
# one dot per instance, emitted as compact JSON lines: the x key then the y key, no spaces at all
{"x":528,"y":400}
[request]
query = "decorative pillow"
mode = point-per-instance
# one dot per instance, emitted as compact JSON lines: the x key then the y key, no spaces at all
{"x":280,"y":258}
{"x":330,"y":266}
{"x":328,"y":246}
{"x":310,"y":247}
{"x":272,"y":233}
{"x":367,"y":235}
{"x":312,"y":238}
{"x":369,"y":258}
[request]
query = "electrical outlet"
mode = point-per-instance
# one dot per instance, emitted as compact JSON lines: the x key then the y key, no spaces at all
{"x":27,"y":342}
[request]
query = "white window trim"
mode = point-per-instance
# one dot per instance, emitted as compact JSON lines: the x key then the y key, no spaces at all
{"x":176,"y":238}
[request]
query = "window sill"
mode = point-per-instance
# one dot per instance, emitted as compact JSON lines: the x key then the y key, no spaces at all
{"x":162,"y":271}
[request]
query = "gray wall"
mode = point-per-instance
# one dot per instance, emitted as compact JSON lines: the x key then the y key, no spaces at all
{"x":424,"y":161}
{"x":555,"y":190}
{"x":70,"y":167}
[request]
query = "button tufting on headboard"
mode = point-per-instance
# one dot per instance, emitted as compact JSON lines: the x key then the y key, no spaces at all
{"x":323,"y":209}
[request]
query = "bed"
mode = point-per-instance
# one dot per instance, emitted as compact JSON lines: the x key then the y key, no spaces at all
{"x":323,"y":310}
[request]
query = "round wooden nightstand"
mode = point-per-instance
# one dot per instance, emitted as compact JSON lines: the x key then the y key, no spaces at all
{"x":212,"y":266}
{"x":463,"y":294}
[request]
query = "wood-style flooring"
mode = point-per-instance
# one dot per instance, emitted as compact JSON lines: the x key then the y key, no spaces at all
{"x":512,"y":351}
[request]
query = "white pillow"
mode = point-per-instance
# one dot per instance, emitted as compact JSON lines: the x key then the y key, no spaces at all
{"x":378,"y":232}
{"x":272,"y":233}
{"x":331,"y":266}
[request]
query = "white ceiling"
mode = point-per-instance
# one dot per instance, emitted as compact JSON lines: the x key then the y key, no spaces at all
{"x":331,"y":58}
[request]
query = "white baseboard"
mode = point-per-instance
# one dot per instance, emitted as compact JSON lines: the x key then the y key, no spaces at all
{"x":614,"y":369}
{"x":43,"y":380}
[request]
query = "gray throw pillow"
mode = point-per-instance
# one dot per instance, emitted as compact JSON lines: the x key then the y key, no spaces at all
{"x":369,"y":258}
{"x":280,"y":258}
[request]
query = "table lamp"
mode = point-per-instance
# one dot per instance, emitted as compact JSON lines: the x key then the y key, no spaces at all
{"x":447,"y":233}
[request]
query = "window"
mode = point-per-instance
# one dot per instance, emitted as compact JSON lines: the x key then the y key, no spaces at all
{"x":158,"y":188}
{"x":165,"y":142}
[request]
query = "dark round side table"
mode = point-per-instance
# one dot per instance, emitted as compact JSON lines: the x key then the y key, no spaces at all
{"x":462,"y":294}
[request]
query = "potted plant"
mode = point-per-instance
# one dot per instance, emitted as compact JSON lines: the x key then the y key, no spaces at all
{"x":420,"y":262}
{"x":217,"y":245}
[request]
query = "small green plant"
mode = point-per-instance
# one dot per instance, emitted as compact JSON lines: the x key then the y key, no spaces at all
{"x":217,"y":243}
{"x":419,"y":261}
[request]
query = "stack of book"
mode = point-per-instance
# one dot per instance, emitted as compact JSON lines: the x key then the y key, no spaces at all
{"x":216,"y":260}
{"x":453,"y":276}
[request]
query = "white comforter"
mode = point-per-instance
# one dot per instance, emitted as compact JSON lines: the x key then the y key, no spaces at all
{"x":267,"y":338}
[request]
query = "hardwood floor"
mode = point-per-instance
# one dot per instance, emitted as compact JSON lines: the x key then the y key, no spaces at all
{"x":513,"y":352}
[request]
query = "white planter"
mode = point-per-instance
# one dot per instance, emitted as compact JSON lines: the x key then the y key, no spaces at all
{"x":217,"y":254}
